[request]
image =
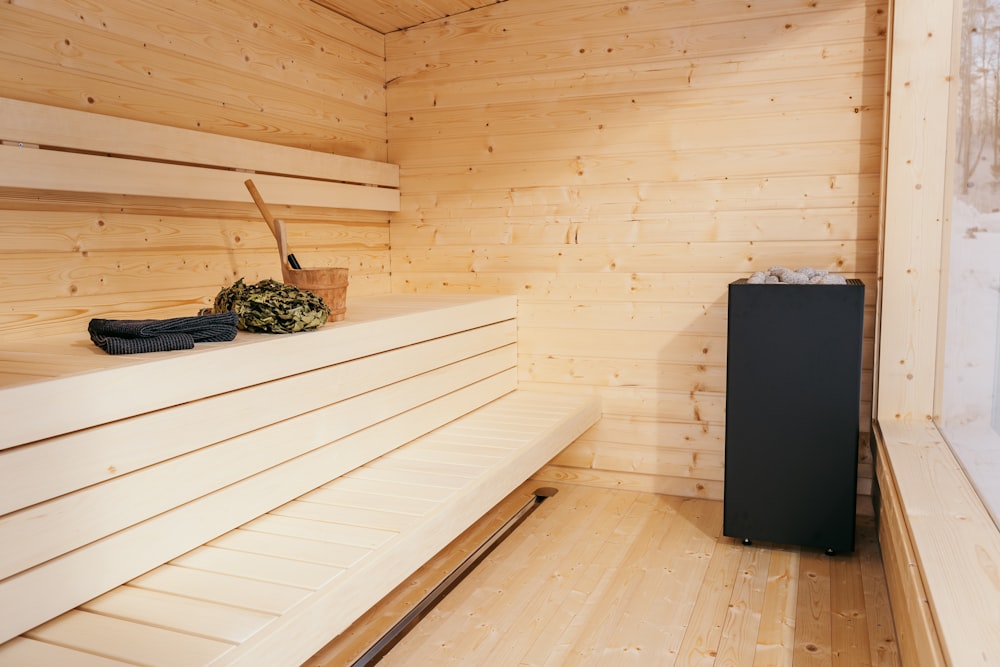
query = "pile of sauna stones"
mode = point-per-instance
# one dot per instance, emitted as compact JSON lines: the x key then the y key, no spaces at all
{"x":779,"y":275}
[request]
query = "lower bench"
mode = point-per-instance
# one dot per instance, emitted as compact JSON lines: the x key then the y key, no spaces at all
{"x":278,"y":588}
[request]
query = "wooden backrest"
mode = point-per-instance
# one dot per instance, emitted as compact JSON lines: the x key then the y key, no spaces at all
{"x":51,"y":148}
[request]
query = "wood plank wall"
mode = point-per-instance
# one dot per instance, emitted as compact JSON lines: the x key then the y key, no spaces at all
{"x":289,"y":73}
{"x":616,"y":165}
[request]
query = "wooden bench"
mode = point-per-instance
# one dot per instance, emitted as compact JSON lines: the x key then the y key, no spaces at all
{"x":256,"y":496}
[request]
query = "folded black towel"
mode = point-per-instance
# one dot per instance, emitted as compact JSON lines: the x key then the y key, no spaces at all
{"x":178,"y":333}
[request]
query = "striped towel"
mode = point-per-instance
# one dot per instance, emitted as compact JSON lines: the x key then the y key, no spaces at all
{"x":178,"y":333}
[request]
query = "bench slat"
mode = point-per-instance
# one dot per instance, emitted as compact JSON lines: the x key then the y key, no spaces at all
{"x":25,"y":652}
{"x":361,"y":536}
{"x":360,"y":517}
{"x":228,"y":589}
{"x":82,"y":172}
{"x":130,"y":642}
{"x":196,"y":617}
{"x":46,"y":125}
{"x":302,"y":549}
{"x":260,"y":567}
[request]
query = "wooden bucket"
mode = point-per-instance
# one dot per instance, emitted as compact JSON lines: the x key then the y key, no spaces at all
{"x":329,"y":284}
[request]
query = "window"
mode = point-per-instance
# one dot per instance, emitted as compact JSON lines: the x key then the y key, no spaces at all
{"x":969,"y":406}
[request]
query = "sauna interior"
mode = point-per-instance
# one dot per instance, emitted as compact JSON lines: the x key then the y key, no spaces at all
{"x":540,"y":205}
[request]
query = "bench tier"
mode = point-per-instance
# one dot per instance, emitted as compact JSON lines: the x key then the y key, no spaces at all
{"x":278,"y":588}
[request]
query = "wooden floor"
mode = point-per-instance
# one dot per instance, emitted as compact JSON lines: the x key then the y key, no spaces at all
{"x":607,"y":577}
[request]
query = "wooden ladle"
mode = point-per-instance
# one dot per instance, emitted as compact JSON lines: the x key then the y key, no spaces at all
{"x":276,"y":224}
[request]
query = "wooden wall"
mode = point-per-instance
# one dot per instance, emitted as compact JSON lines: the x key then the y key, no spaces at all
{"x":616,"y":165}
{"x":289,"y":73}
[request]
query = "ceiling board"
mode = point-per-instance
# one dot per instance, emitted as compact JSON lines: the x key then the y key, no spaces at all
{"x":387,"y":16}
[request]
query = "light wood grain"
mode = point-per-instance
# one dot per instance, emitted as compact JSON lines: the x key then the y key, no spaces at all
{"x":625,"y":35}
{"x":385,"y":16}
{"x":618,"y":577}
{"x":954,"y":544}
{"x":931,"y":514}
{"x":245,"y":451}
{"x":373,"y":327}
{"x":178,"y":85}
{"x":33,"y":168}
{"x":86,"y":515}
{"x":69,"y":129}
{"x":666,"y":165}
{"x":289,"y":88}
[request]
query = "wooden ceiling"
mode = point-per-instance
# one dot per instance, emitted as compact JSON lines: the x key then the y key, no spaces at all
{"x":387,"y":16}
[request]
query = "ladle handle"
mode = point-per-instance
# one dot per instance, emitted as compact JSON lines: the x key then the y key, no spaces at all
{"x":277,"y":226}
{"x":264,"y":210}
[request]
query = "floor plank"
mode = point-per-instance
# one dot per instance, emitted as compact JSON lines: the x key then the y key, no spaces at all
{"x":609,"y":577}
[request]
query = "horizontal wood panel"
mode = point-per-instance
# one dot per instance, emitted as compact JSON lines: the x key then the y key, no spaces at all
{"x":40,"y":232}
{"x":144,"y":644}
{"x":614,"y":372}
{"x":87,"y":274}
{"x":773,"y":192}
{"x":814,"y":224}
{"x":34,"y":318}
{"x":39,"y":124}
{"x":623,"y":38}
{"x":628,"y":457}
{"x":689,"y":318}
{"x":747,"y":257}
{"x":571,"y":168}
{"x":210,"y":620}
{"x":682,"y":93}
{"x":45,"y":200}
{"x":691,"y":288}
{"x":711,"y":77}
{"x":109,"y":96}
{"x":227,"y":589}
{"x":632,"y":481}
{"x":624,"y":132}
{"x":591,"y":18}
{"x":33,"y":653}
{"x":663,"y":347}
{"x":33,"y":168}
{"x":252,"y":23}
{"x":642,"y":425}
{"x":94,"y":52}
